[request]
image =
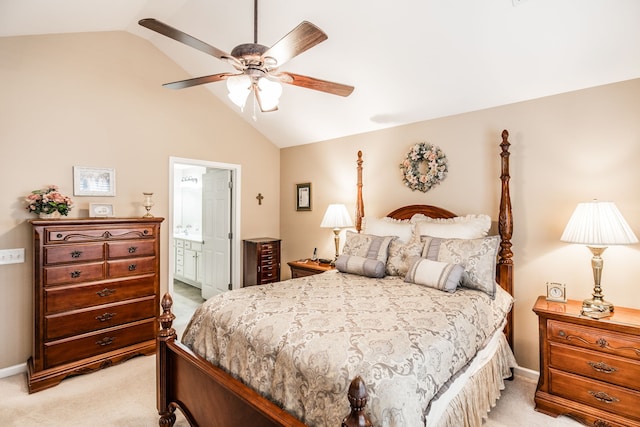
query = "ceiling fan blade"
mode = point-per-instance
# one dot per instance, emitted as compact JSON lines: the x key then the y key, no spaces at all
{"x":300,"y":39}
{"x":315,"y":84}
{"x":173,"y":33}
{"x":181,"y":84}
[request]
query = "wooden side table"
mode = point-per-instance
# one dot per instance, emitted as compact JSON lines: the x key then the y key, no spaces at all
{"x":307,"y":267}
{"x":589,"y":369}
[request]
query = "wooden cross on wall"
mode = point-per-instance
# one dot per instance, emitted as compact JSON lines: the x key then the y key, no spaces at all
{"x":259,"y":197}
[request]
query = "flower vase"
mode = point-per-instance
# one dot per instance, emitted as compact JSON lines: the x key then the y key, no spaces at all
{"x":52,"y":215}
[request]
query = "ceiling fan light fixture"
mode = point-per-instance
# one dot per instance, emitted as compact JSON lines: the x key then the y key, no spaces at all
{"x":239,"y":88}
{"x":270,"y":92}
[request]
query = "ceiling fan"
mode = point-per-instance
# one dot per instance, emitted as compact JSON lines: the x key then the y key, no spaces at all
{"x":257,"y":64}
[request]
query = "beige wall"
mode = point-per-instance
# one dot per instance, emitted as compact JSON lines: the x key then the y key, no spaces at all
{"x":565,"y":149}
{"x":96,"y":100}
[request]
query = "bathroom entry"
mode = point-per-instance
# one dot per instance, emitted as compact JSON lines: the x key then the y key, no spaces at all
{"x":204,"y":250}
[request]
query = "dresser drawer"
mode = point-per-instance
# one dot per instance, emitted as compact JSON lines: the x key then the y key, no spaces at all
{"x":61,"y":234}
{"x":73,"y":253}
{"x":595,"y":339}
{"x":607,"y":397}
{"x":131,"y":249}
{"x":608,"y":368}
{"x":87,"y":320}
{"x":130,"y":267}
{"x":65,"y":298}
{"x":77,"y":273}
{"x":88,"y":345}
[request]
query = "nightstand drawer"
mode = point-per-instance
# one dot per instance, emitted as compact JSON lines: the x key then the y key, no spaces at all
{"x":611,"y":369}
{"x":607,"y":397}
{"x":594,"y":339}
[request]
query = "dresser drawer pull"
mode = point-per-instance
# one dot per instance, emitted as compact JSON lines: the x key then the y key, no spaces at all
{"x":132,"y":249}
{"x":106,"y":292}
{"x":603,"y":397}
{"x":105,"y":317}
{"x":75,"y":274}
{"x":132,"y":267}
{"x":105,"y":341}
{"x":601,"y":423}
{"x":76,"y":254}
{"x":602,"y":367}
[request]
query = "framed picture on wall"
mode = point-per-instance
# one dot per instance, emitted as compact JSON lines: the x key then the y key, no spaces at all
{"x":89,"y":181}
{"x":303,"y":197}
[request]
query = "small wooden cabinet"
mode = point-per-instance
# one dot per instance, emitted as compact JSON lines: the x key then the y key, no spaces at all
{"x":96,"y":295}
{"x":589,"y":369}
{"x":307,"y":267}
{"x":261,"y":261}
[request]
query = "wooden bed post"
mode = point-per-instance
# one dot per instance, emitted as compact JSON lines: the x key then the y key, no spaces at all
{"x":505,"y":228}
{"x":166,"y":409}
{"x":358,"y":397}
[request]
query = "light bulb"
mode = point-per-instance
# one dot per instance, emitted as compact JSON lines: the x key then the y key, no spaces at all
{"x":270,"y":92}
{"x":239,"y":88}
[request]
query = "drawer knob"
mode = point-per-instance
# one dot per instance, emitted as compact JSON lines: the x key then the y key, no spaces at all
{"x":106,"y":292}
{"x":602,"y":367}
{"x":76,"y":254}
{"x":75,"y":274}
{"x":132,"y":267}
{"x":603,"y":397}
{"x":105,"y":341}
{"x":132,"y":249}
{"x":105,"y":317}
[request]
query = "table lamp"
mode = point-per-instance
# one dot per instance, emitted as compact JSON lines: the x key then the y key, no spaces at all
{"x":597,"y":225}
{"x":336,"y":217}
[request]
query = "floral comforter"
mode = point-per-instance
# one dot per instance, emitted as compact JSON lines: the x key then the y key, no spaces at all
{"x":301,"y":341}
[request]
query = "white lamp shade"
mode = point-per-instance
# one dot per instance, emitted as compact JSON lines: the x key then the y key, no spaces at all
{"x":599,"y":224}
{"x":269,"y":93}
{"x":336,"y":216}
{"x":239,"y":88}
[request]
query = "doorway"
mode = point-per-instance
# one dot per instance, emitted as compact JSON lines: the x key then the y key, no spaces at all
{"x":204,"y":228}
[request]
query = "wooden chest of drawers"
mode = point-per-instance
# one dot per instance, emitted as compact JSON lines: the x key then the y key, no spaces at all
{"x":96,"y":295}
{"x":261,"y":261}
{"x":589,"y":369}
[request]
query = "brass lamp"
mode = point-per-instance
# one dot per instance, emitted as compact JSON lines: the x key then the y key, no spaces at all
{"x":597,"y":225}
{"x":336,"y":217}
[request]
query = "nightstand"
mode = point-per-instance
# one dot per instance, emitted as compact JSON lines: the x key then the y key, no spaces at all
{"x":589,"y":369}
{"x":307,"y":267}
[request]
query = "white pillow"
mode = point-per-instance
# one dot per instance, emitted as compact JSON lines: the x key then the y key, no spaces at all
{"x":386,"y":226}
{"x":460,"y":227}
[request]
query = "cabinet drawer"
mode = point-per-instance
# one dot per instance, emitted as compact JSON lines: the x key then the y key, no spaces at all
{"x":130,"y":267}
{"x":131,"y":249}
{"x":179,"y":243}
{"x":78,"y":273}
{"x":594,"y":339}
{"x":88,"y":345}
{"x":61,"y":234}
{"x":65,"y":298}
{"x":81,"y":321}
{"x":73,"y":253}
{"x":596,"y":394}
{"x":611,"y":369}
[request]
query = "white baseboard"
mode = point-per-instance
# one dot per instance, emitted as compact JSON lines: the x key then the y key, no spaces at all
{"x":13,"y":370}
{"x":526,"y":373}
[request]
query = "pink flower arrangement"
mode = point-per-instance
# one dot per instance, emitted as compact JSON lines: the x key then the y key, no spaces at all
{"x":48,"y":200}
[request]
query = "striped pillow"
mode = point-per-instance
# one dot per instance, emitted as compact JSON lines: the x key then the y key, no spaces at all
{"x":435,"y":274}
{"x":359,"y":265}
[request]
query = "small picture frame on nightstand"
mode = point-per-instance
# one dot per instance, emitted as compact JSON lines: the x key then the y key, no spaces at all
{"x":556,"y":292}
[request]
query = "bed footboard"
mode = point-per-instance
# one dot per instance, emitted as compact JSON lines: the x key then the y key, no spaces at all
{"x":207,"y":395}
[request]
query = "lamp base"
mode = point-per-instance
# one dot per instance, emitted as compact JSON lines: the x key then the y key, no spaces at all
{"x":596,"y":308}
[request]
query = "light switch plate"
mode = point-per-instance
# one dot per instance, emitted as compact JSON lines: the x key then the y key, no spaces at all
{"x":11,"y":256}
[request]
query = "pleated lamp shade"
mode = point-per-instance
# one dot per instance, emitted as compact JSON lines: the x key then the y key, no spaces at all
{"x":598,"y":224}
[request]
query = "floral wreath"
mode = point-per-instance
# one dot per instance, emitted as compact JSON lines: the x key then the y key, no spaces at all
{"x":414,"y":174}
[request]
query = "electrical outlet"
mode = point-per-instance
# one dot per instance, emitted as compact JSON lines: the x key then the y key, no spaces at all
{"x":11,"y":256}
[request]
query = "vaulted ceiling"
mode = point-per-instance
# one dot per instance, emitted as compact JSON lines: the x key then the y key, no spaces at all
{"x":409,"y":60}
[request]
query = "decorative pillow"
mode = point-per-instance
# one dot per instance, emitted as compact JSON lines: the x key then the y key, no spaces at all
{"x":367,"y":246}
{"x":359,"y":265}
{"x":400,"y":257}
{"x":386,"y":226}
{"x":460,"y":227}
{"x":435,"y":274}
{"x":477,"y":256}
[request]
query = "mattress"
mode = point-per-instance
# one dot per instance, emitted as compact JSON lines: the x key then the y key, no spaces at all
{"x":301,"y":341}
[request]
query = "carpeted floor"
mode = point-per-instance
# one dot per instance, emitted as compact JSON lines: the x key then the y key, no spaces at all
{"x":124,"y":396}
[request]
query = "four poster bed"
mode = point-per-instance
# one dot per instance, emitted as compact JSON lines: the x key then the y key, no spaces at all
{"x":396,"y":348}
